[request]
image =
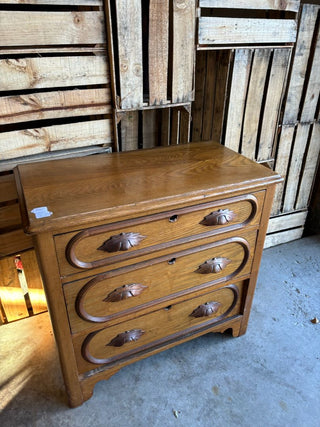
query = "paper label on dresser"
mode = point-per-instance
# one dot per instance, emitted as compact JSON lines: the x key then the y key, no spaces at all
{"x":41,"y":212}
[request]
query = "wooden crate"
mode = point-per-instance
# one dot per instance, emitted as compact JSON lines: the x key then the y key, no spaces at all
{"x":55,"y":82}
{"x":152,"y":50}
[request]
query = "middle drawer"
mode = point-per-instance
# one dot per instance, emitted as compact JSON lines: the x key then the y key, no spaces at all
{"x":122,"y":292}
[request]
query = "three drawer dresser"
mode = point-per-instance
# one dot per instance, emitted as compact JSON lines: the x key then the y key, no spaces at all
{"x":143,"y":250}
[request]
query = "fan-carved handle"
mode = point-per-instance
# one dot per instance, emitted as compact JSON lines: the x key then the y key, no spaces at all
{"x":121,"y":242}
{"x":214,"y":265}
{"x":125,"y":292}
{"x":125,"y":337}
{"x":206,"y":309}
{"x":219,"y":217}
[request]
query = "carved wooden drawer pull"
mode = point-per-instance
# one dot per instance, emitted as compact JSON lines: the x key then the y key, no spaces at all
{"x":214,"y":265}
{"x":206,"y":309}
{"x":121,"y":242}
{"x":125,"y":292}
{"x":125,"y":337}
{"x":219,"y":217}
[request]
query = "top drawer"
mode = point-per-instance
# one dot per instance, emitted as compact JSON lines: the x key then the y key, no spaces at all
{"x":111,"y":243}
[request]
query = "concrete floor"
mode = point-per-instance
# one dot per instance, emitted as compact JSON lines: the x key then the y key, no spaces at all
{"x":269,"y":377}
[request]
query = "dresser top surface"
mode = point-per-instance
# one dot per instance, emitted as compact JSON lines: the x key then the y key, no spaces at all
{"x":61,"y":193}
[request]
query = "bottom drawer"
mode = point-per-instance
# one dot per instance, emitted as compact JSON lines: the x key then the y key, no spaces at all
{"x":124,"y":340}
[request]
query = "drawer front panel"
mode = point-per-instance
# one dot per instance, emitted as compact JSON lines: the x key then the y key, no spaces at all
{"x":145,"y":332}
{"x":120,"y":293}
{"x":109,"y":244}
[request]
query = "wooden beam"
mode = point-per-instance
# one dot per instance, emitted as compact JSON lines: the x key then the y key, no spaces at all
{"x":183,"y":54}
{"x":129,"y":30}
{"x":50,"y":72}
{"x":216,"y":30}
{"x":25,"y":28}
{"x":292,"y":5}
{"x":58,"y":137}
{"x":158,"y":51}
{"x":238,"y":91}
{"x":53,"y":105}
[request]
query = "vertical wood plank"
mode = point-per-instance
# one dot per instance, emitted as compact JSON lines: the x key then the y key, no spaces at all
{"x":281,"y":164}
{"x":220,"y":95}
{"x":183,"y":54}
{"x":165,"y":126}
{"x":175,"y":124}
{"x":11,"y":294}
{"x":254,"y":102}
{"x":34,"y":281}
{"x":150,"y":128}
{"x":158,"y":51}
{"x":300,"y":63}
{"x":238,"y":92}
{"x":129,"y":129}
{"x":209,"y":95}
{"x":280,"y":63}
{"x":185,"y":120}
{"x":299,"y":147}
{"x":197,"y":105}
{"x":309,"y":168}
{"x":129,"y":25}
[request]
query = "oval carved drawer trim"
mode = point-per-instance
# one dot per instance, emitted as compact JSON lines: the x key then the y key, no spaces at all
{"x":80,"y":299}
{"x":85,"y":350}
{"x":74,"y":260}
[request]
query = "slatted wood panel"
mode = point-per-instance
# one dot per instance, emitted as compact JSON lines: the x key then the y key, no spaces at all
{"x":152,"y":52}
{"x":238,"y":98}
{"x":52,"y":72}
{"x":298,"y":146}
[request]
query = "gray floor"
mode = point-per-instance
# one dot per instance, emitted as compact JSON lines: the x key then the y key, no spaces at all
{"x":269,"y":377}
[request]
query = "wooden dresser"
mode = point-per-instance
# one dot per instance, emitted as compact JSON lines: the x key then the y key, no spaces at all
{"x":143,"y":250}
